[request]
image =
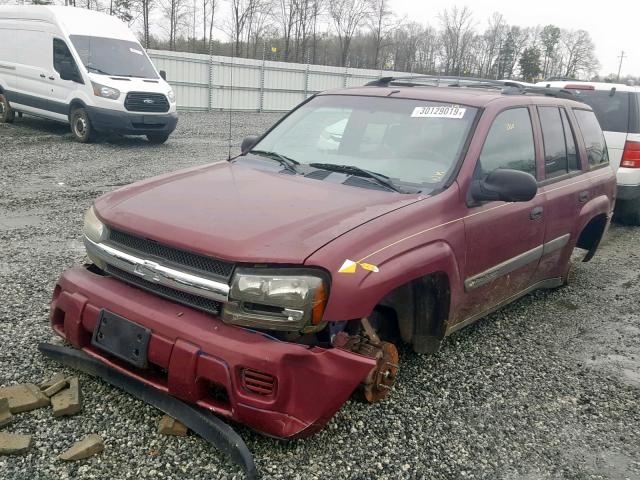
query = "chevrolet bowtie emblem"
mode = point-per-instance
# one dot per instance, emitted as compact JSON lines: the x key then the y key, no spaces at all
{"x":148,"y":270}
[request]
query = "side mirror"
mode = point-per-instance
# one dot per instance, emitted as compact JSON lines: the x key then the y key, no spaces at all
{"x":506,"y":185}
{"x":163,"y":75}
{"x":248,"y":143}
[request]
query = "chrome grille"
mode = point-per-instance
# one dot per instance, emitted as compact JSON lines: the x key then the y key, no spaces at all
{"x":195,"y":301}
{"x":146,"y":102}
{"x":180,"y":258}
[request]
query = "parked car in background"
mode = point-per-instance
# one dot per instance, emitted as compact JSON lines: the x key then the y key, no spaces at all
{"x":617,"y":107}
{"x":83,"y":68}
{"x":268,"y":288}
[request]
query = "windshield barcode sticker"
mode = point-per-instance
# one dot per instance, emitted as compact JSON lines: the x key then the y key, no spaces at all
{"x":439,"y":112}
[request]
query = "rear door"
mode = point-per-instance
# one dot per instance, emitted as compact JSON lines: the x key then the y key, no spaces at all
{"x":565,"y":186}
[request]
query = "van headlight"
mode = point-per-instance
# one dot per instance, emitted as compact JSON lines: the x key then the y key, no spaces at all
{"x":105,"y":92}
{"x":287,"y":299}
{"x":171,"y":96}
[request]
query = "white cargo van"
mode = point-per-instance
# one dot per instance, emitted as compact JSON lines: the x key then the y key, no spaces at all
{"x":84,"y":68}
{"x":617,"y":107}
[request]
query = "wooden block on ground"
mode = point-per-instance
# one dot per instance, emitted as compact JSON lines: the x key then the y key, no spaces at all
{"x":24,"y":397}
{"x":53,"y":380}
{"x":56,"y":387}
{"x":5,"y":413}
{"x":87,"y":447}
{"x":68,"y":401}
{"x":13,"y":443}
{"x":170,"y":426}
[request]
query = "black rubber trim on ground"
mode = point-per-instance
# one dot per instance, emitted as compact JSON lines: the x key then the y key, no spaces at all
{"x":204,"y":423}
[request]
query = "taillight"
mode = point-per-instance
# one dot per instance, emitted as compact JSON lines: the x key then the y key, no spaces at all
{"x":631,"y":155}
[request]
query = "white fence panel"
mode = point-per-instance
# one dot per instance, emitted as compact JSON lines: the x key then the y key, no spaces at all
{"x":211,"y":83}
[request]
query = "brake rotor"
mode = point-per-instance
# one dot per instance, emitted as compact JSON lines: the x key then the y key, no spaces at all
{"x":381,"y":379}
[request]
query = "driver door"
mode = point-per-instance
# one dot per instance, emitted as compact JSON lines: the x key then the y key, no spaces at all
{"x":62,"y":90}
{"x":504,"y":240}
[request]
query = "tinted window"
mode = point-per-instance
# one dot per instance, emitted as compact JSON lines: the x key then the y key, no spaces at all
{"x":555,"y":148}
{"x":108,"y":56}
{"x":593,"y":137}
{"x":509,"y":143}
{"x":612,"y":111}
{"x":573,"y":161}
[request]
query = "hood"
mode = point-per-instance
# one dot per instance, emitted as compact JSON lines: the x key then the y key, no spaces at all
{"x":131,"y":84}
{"x":235,"y":212}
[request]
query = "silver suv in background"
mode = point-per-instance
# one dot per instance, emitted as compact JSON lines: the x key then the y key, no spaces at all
{"x":617,"y":107}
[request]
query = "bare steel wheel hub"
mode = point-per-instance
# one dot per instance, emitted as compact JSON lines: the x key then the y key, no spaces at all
{"x":381,"y":379}
{"x":80,"y":126}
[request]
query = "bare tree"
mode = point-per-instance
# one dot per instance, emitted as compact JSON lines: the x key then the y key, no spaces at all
{"x":285,"y":15}
{"x":144,"y":7}
{"x":347,"y":17}
{"x":242,"y":12}
{"x":579,"y":53}
{"x":380,"y":22}
{"x":176,"y":12}
{"x":456,"y":36}
{"x":209,"y":8}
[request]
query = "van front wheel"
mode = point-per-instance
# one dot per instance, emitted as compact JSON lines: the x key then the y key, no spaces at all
{"x":6,"y":112}
{"x":157,"y":139}
{"x":81,"y":126}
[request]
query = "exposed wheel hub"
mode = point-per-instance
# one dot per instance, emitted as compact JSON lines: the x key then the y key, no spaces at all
{"x":378,"y":384}
{"x":80,"y":126}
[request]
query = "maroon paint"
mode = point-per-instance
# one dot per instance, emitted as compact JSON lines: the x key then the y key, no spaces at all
{"x":237,"y":213}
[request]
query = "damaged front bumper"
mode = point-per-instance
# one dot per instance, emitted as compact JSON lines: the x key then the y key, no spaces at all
{"x":281,"y":389}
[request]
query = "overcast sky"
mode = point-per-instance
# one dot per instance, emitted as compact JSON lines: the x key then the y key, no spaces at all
{"x":613,"y":25}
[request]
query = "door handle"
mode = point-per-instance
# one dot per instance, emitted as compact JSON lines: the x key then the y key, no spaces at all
{"x":583,"y":196}
{"x":52,"y":78}
{"x":42,"y":75}
{"x":536,"y":213}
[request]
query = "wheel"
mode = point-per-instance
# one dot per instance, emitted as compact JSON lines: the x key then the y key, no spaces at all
{"x":628,"y":212}
{"x":6,"y":112}
{"x":157,"y":139}
{"x":81,"y":126}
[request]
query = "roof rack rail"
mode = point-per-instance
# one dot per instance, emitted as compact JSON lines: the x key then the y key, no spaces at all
{"x":506,"y":87}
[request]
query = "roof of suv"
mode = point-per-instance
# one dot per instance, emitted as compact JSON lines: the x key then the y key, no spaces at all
{"x":473,"y":97}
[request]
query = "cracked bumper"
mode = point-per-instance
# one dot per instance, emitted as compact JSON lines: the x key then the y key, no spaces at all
{"x":194,"y":356}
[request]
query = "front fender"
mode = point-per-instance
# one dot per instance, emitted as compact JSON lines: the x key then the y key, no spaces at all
{"x":355,"y":295}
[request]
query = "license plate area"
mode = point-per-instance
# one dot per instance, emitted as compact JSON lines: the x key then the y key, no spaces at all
{"x":151,"y":120}
{"x":122,"y":338}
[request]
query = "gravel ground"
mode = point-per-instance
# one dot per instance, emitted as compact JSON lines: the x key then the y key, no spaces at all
{"x":548,"y":388}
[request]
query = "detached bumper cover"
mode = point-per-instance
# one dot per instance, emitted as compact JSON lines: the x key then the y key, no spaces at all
{"x":197,"y":358}
{"x":105,"y":120}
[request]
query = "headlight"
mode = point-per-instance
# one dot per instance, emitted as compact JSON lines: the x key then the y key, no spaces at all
{"x":105,"y":92}
{"x":171,"y":96}
{"x":93,"y":228}
{"x":277,"y":299}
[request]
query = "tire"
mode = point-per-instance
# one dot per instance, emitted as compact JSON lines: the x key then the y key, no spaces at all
{"x":81,"y":127}
{"x":628,"y":212}
{"x":157,"y":139}
{"x":7,"y":115}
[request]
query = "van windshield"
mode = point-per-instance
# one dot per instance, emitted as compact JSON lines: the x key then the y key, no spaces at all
{"x":108,"y":56}
{"x":412,"y":142}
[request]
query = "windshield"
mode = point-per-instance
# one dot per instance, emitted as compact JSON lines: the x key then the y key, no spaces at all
{"x":108,"y":56}
{"x":415,"y":142}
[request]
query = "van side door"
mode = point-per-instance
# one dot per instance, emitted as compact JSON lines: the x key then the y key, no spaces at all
{"x":32,"y":84}
{"x":503,"y":240}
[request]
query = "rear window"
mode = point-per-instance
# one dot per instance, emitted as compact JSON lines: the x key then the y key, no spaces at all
{"x":593,"y":137}
{"x":612,"y":110}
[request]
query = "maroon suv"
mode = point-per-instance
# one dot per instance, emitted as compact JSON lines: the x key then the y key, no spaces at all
{"x":269,"y":288}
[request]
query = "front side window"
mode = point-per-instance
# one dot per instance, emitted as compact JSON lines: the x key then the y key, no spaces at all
{"x":109,"y":56}
{"x":413,"y":142}
{"x":509,"y":143}
{"x":62,"y":58}
{"x":593,"y":137}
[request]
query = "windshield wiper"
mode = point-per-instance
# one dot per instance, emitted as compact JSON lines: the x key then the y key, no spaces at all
{"x":288,"y":163}
{"x":360,"y":172}
{"x":97,"y":70}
